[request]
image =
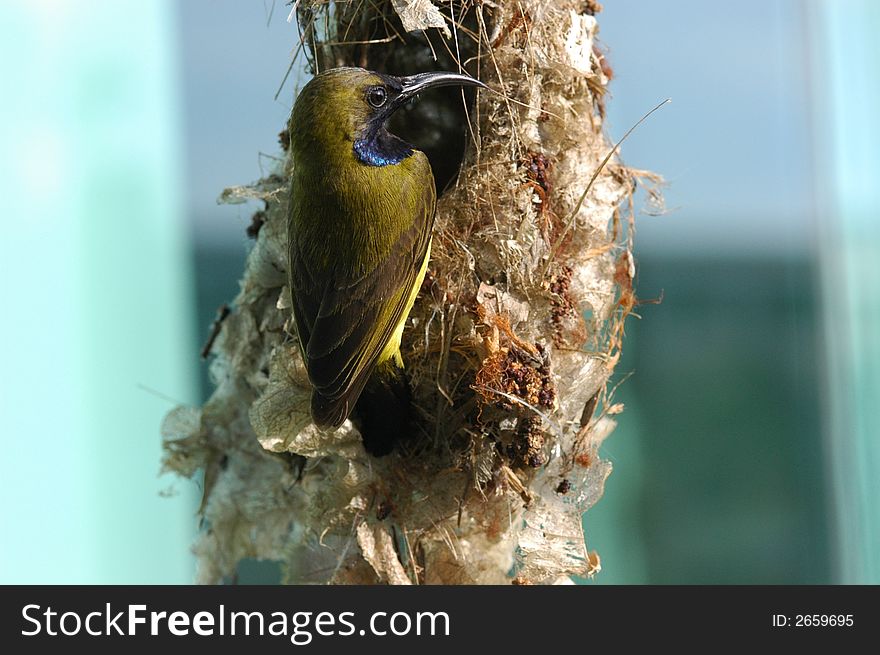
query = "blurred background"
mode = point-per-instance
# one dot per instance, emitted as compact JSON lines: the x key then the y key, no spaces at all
{"x":749,"y":450}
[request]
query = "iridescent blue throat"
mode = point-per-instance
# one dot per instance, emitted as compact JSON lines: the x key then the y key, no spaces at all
{"x":378,"y":147}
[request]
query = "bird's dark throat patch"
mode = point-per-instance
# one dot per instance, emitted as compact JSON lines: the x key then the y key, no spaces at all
{"x":378,"y":147}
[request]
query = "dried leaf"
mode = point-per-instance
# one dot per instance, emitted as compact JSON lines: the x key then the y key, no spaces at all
{"x":420,"y":15}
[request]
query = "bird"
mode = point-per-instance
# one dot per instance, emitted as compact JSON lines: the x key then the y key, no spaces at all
{"x":360,"y":216}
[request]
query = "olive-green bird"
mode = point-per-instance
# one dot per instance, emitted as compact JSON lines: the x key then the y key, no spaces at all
{"x":359,"y":230}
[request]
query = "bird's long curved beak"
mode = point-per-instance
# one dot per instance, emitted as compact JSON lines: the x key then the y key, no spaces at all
{"x":415,"y":84}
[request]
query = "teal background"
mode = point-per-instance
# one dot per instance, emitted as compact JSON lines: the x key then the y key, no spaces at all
{"x":97,"y":331}
{"x":748,"y":451}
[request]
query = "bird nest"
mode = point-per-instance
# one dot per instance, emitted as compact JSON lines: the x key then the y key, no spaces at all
{"x":509,"y":347}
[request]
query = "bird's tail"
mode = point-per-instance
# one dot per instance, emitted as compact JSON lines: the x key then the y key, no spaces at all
{"x":383,"y":413}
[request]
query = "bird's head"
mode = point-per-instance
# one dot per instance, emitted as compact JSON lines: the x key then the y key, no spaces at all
{"x":342,"y":114}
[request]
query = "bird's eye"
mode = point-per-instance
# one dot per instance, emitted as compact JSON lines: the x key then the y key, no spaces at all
{"x":377,"y":96}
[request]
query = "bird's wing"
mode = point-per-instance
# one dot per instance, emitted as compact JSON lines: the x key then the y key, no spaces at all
{"x":345,"y":324}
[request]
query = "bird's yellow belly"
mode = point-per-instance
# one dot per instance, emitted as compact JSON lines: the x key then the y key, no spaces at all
{"x":391,"y":352}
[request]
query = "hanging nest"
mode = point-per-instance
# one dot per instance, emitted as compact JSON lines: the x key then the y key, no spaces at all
{"x":508,"y":349}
